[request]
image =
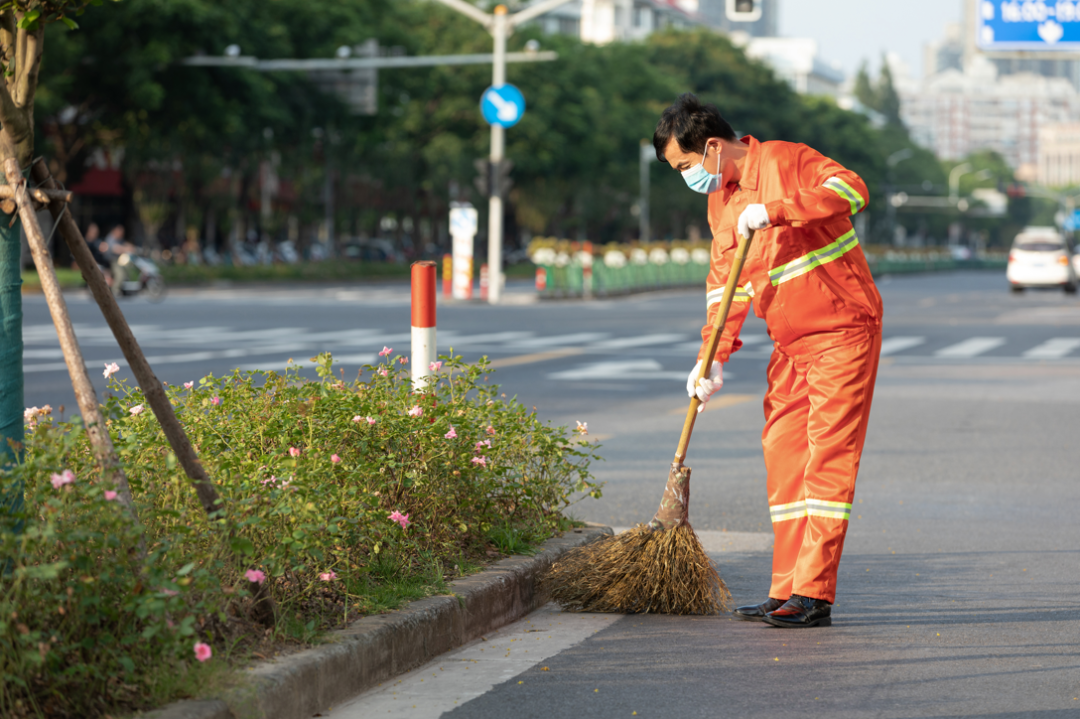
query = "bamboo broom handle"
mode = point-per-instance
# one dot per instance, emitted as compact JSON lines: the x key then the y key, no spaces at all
{"x":714,"y":340}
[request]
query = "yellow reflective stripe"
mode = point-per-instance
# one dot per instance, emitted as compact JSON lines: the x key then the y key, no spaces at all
{"x":847,"y":192}
{"x":825,"y":508}
{"x":742,"y":294}
{"x":816,"y":258}
{"x":784,"y":512}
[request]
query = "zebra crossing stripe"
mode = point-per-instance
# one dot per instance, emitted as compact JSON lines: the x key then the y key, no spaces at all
{"x":892,"y":345}
{"x":971,"y":347}
{"x":1055,"y":348}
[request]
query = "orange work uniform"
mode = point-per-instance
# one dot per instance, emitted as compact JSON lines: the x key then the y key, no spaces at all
{"x":809,"y":281}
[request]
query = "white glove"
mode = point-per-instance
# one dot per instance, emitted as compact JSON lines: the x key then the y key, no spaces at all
{"x":707,"y":386}
{"x":754,"y":217}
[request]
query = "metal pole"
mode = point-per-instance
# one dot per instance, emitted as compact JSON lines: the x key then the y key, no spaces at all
{"x":644,"y":157}
{"x":495,"y":204}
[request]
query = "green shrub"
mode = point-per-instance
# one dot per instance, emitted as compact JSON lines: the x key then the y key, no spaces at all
{"x":347,"y":496}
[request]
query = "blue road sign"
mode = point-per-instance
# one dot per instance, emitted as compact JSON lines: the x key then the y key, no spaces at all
{"x":1050,"y":25}
{"x":503,"y":105}
{"x":1072,"y":222}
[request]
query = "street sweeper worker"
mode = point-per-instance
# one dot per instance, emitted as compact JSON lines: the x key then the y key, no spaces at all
{"x":807,"y":277}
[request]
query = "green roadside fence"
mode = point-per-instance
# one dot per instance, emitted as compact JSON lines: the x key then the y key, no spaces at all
{"x":571,"y":269}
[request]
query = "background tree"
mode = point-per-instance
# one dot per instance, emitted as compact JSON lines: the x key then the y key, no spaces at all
{"x":22,"y":32}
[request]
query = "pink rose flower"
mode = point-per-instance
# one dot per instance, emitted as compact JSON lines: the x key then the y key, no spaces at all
{"x":136,"y":410}
{"x":482,"y":461}
{"x":203,"y":651}
{"x":435,"y":366}
{"x":189,"y":385}
{"x":451,"y":434}
{"x":357,"y":418}
{"x":383,"y":372}
{"x":255,"y":575}
{"x":328,"y":576}
{"x":416,"y":411}
{"x":403,"y":360}
{"x":481,"y":445}
{"x":386,"y":351}
{"x":294,"y":452}
{"x":334,"y":458}
{"x":110,"y":370}
{"x":402,"y":519}
{"x":490,"y":430}
{"x":370,"y":420}
{"x":65,"y":477}
{"x":215,"y":400}
{"x":110,"y":495}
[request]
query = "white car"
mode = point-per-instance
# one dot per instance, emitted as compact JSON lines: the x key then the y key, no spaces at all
{"x":1041,"y":257}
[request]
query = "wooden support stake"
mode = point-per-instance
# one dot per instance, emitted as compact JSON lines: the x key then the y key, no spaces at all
{"x":264,"y":609}
{"x":98,"y":433}
{"x":144,"y":374}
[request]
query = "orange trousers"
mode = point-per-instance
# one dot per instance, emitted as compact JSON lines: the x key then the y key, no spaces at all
{"x":816,"y":412}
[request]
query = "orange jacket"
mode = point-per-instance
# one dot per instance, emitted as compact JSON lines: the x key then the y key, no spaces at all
{"x":806,"y":273}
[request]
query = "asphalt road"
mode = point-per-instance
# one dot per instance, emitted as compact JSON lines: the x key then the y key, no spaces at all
{"x":957,"y":592}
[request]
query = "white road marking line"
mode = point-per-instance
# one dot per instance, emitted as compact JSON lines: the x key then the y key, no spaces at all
{"x":971,"y":347}
{"x":475,"y":669}
{"x":43,"y":354}
{"x":279,"y":365}
{"x":1055,"y":348}
{"x":559,"y":340}
{"x":892,"y":345}
{"x":451,"y":339}
{"x":640,"y":341}
{"x":626,"y":370}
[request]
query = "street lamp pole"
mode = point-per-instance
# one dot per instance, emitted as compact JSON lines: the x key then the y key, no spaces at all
{"x":890,"y":209}
{"x":954,"y":180}
{"x":645,"y":156}
{"x":498,"y":152}
{"x":500,"y":24}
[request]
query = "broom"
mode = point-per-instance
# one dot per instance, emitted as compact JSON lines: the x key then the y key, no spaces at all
{"x":659,"y":567}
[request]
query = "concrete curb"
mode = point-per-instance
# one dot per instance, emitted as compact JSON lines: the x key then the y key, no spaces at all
{"x":375,"y":648}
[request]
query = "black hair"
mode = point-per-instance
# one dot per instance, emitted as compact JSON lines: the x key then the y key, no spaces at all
{"x":691,"y":123}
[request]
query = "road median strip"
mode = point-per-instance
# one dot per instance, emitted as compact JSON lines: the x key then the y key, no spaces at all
{"x":379,"y":647}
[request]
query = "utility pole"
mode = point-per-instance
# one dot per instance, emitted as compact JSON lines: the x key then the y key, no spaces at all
{"x":500,"y":24}
{"x":645,"y":157}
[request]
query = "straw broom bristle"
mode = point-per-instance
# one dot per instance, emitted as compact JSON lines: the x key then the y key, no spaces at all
{"x":639,"y":571}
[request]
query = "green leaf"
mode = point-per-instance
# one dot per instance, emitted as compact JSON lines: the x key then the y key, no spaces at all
{"x":29,"y":20}
{"x":186,"y":569}
{"x":72,"y":25}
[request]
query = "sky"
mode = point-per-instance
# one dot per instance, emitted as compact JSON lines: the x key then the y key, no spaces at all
{"x":850,"y":31}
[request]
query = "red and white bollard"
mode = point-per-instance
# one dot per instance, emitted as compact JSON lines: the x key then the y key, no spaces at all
{"x":448,"y":276}
{"x":484,"y":283}
{"x":541,"y":279}
{"x":423,"y":322}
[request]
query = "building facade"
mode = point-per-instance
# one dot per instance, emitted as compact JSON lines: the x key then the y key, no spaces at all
{"x":603,"y":21}
{"x":956,"y":113}
{"x":1059,"y":155}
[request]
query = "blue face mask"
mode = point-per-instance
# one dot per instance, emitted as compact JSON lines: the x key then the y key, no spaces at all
{"x":701,"y":180}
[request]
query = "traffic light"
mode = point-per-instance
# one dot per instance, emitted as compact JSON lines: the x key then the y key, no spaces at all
{"x":493,"y":179}
{"x":744,"y":10}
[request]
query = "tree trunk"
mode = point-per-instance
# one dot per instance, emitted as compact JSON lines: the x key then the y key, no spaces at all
{"x":11,"y":353}
{"x":85,"y":395}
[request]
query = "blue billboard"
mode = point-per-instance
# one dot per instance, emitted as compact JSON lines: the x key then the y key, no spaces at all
{"x":1041,"y":25}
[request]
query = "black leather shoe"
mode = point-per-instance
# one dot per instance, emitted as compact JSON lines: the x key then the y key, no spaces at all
{"x":801,"y":611}
{"x":757,"y":612}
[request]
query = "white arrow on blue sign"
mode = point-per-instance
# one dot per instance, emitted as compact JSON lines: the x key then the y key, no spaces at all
{"x":503,"y":105}
{"x":1051,"y":25}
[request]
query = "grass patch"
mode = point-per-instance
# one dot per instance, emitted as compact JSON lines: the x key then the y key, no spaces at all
{"x":69,"y":279}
